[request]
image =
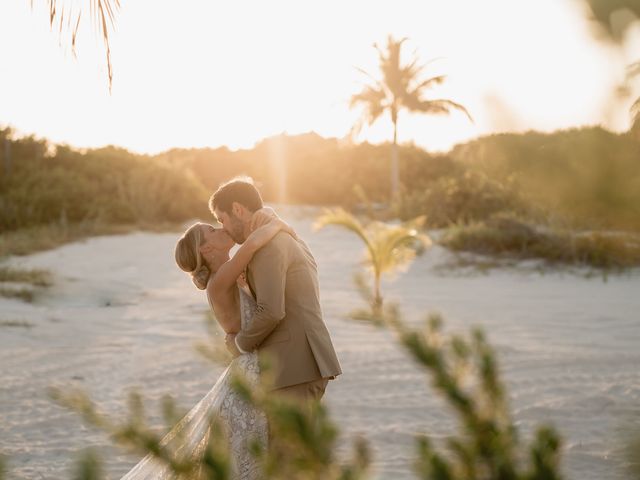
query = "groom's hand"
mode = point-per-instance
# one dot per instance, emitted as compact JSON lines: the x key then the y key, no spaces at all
{"x":230,"y":342}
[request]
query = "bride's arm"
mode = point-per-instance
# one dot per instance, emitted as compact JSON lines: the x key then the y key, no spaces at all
{"x":226,"y":312}
{"x":227,"y":275}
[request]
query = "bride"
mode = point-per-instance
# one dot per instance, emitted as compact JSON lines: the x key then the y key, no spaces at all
{"x":203,"y":252}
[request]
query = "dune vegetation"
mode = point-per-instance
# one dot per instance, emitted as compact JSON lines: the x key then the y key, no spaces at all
{"x":23,"y":284}
{"x":583,"y":183}
{"x":53,"y":194}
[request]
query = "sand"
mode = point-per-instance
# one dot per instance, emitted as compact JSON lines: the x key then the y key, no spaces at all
{"x":121,"y":316}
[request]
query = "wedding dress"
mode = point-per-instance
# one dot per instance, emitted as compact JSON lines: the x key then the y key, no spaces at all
{"x":243,"y":422}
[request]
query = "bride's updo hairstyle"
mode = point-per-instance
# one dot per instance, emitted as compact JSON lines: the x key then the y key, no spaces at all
{"x":189,"y":258}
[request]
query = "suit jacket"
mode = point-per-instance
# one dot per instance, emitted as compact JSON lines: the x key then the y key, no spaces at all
{"x":287,"y":325}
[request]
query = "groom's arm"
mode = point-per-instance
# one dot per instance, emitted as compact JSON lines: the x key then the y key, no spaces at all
{"x":267,"y":275}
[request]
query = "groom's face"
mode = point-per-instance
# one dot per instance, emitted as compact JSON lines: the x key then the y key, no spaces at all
{"x":232,"y":225}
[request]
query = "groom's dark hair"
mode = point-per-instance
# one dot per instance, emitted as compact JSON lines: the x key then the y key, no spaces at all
{"x":239,"y":189}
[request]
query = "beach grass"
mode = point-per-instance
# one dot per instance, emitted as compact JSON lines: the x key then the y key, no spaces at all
{"x":511,"y":237}
{"x":24,"y":294}
{"x":35,"y":277}
{"x":16,"y":323}
{"x":22,"y":284}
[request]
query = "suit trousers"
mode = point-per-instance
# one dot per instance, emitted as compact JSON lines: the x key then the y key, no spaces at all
{"x":305,"y":392}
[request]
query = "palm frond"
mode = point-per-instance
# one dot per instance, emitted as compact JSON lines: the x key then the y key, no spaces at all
{"x":633,"y":70}
{"x":395,"y":250}
{"x":416,"y":223}
{"x":412,"y":71}
{"x":74,"y":34}
{"x":368,"y":96}
{"x":102,"y":12}
{"x":342,"y":218}
{"x":412,"y":101}
{"x":376,"y":82}
{"x":393,"y":50}
{"x":430,"y":82}
{"x":392,"y":73}
{"x":398,"y":245}
{"x":373,"y":101}
{"x":443,"y":106}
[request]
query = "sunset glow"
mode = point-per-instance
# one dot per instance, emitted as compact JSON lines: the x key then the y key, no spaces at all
{"x":194,"y":74}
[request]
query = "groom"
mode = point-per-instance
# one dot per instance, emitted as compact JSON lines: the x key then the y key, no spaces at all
{"x":287,"y":325}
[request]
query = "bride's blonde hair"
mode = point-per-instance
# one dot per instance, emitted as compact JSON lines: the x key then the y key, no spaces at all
{"x":189,"y":258}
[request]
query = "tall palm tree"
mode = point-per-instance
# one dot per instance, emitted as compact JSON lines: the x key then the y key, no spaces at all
{"x":66,"y":16}
{"x":387,"y":247}
{"x":400,"y":88}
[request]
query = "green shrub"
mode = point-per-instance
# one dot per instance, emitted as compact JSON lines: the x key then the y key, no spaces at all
{"x":467,"y":196}
{"x":512,"y":237}
{"x":465,"y":372}
{"x":107,"y":185}
{"x":585,"y":178}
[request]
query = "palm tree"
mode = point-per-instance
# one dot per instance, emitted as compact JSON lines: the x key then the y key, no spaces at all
{"x":67,"y":16}
{"x":400,"y":88}
{"x":388,"y":247}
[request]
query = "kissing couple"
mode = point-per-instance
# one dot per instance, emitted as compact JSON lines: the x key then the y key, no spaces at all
{"x":266,"y":299}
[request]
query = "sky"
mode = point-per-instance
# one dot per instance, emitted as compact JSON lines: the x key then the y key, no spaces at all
{"x":198,"y":73}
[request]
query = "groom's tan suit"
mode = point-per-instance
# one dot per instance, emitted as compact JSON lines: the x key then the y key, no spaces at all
{"x":288,"y":325}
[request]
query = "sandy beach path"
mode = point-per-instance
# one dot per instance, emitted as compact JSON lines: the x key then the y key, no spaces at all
{"x":121,"y":316}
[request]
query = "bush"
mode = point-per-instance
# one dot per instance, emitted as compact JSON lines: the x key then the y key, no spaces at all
{"x":585,"y":178}
{"x":108,"y":185}
{"x":463,"y":197}
{"x":512,"y":237}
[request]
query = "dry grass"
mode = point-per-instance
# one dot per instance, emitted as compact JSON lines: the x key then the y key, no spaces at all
{"x":24,"y":294}
{"x":37,"y":278}
{"x":510,"y":237}
{"x":16,"y":323}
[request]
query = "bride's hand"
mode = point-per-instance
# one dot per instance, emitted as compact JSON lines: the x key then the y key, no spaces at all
{"x":262,"y":217}
{"x":285,"y":227}
{"x":268,"y":216}
{"x":230,"y":342}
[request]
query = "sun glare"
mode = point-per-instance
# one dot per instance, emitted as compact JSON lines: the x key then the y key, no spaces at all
{"x":211,"y":74}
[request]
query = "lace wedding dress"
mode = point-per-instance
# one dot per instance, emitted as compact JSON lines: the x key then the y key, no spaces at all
{"x":244,"y":423}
